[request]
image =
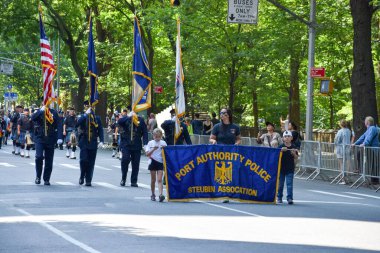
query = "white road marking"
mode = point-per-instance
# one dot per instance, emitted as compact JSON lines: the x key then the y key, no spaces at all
{"x":110,"y":186}
{"x":334,"y":202}
{"x":64,"y":183}
{"x":364,"y":195}
{"x":141,"y":197}
{"x":335,"y":194}
{"x":60,"y":233}
{"x":6,"y":152}
{"x":7,"y":165}
{"x":116,"y":166}
{"x":101,"y":167}
{"x":228,"y":208}
{"x":34,"y":164}
{"x":70,"y":166}
{"x":27,"y":183}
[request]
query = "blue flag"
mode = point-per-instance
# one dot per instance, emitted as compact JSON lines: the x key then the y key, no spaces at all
{"x":142,"y":78}
{"x":92,"y":70}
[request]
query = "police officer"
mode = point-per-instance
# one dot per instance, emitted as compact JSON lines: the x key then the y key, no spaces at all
{"x":89,"y":128}
{"x":46,"y":135}
{"x":69,"y":124}
{"x":14,"y":136}
{"x":24,"y":127}
{"x":131,"y":144}
{"x":169,"y":128}
{"x":61,"y":119}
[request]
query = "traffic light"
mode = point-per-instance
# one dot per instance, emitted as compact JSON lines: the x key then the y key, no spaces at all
{"x":174,"y":2}
{"x":326,"y":87}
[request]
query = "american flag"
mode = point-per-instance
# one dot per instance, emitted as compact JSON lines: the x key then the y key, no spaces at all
{"x":48,"y":70}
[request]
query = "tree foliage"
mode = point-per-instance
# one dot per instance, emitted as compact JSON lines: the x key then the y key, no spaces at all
{"x":259,"y":71}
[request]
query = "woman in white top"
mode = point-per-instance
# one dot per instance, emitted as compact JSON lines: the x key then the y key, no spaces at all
{"x":153,"y":151}
{"x":342,"y":142}
{"x":271,"y":138}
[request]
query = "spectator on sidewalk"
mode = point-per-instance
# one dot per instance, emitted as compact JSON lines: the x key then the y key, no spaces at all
{"x":370,"y":139}
{"x":342,"y":140}
{"x":197,"y":125}
{"x":189,"y":126}
{"x":207,"y":126}
{"x":270,"y":139}
{"x":214,"y":120}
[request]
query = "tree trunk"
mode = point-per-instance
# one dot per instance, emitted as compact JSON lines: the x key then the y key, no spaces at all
{"x":294,"y":90}
{"x":363,"y":78}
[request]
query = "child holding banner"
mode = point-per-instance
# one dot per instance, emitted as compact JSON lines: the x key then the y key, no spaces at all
{"x":289,"y":155}
{"x":153,"y":151}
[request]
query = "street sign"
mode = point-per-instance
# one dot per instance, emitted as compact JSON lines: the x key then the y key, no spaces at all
{"x":317,"y":72}
{"x":242,"y":11}
{"x":6,"y":68}
{"x":158,"y":89}
{"x":10,"y":96}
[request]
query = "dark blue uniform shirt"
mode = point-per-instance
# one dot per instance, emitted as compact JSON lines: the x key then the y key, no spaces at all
{"x":82,"y":125}
{"x":53,"y":131}
{"x":139,"y":132}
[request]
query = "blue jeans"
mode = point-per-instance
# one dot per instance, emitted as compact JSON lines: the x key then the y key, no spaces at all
{"x":289,"y":185}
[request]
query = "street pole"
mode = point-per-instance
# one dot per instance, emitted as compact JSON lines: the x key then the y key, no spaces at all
{"x":310,"y":81}
{"x":58,"y":67}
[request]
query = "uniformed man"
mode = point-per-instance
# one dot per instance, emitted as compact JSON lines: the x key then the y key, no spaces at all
{"x":69,"y":124}
{"x":46,"y":135}
{"x":24,"y":127}
{"x":169,"y":127}
{"x":61,"y":119}
{"x":13,"y":123}
{"x":89,"y":128}
{"x":131,"y":144}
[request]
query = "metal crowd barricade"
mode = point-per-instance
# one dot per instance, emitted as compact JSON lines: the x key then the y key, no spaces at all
{"x":310,"y":159}
{"x":354,"y":165}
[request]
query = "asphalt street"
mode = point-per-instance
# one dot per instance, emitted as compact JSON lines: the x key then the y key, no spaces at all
{"x":67,"y":217}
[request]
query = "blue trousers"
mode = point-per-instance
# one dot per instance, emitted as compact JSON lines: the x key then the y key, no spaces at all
{"x":87,"y":162}
{"x":127,"y":157}
{"x":44,"y":151}
{"x":289,"y":185}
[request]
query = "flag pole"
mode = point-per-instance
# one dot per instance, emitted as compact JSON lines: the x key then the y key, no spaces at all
{"x":89,"y":90}
{"x":42,"y":73}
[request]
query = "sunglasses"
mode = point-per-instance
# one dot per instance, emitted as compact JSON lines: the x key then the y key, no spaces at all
{"x":222,"y":113}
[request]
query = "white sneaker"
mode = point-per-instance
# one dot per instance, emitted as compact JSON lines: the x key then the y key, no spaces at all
{"x":113,"y":153}
{"x":27,"y":154}
{"x":68,"y":153}
{"x":72,"y":155}
{"x":22,"y":153}
{"x":120,"y":155}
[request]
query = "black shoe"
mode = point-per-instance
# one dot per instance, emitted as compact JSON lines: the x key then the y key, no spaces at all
{"x":37,"y":181}
{"x":88,"y":184}
{"x":279,"y":201}
{"x":134,"y":185}
{"x":13,"y":152}
{"x":153,"y":197}
{"x":46,"y":183}
{"x":161,"y":198}
{"x":290,"y":202}
{"x":122,"y":182}
{"x":81,"y":181}
{"x":226,"y":201}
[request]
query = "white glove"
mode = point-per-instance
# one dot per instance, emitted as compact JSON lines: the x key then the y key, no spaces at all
{"x":89,"y":110}
{"x":42,"y":109}
{"x":59,"y":142}
{"x":101,"y":145}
